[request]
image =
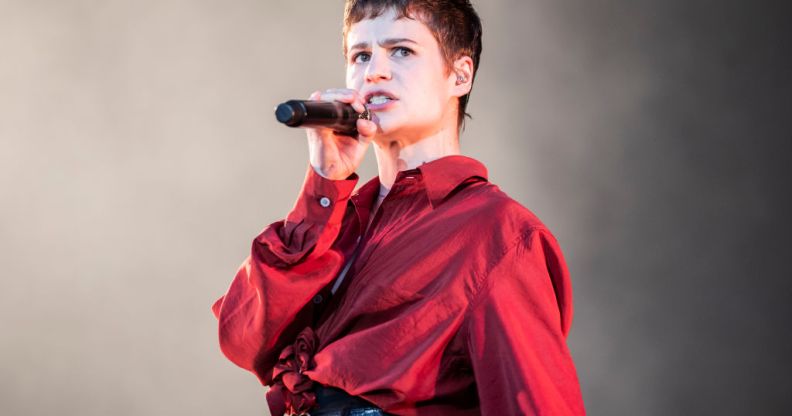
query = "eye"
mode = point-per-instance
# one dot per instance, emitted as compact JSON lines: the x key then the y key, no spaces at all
{"x":361,"y":57}
{"x":402,"y":52}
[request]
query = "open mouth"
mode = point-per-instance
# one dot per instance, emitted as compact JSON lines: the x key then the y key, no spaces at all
{"x":379,"y":98}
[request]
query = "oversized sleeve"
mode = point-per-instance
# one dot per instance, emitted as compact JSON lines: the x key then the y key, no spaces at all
{"x":289,"y":263}
{"x":517,"y":331}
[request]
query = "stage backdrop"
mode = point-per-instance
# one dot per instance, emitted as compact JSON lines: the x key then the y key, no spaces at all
{"x":139,"y":157}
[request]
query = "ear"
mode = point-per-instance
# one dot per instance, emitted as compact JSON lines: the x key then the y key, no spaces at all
{"x":462,"y":76}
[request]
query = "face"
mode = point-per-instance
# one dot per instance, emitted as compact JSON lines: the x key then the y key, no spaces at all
{"x":397,"y":66}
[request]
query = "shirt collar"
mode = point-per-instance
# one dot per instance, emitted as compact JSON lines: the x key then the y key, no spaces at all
{"x":443,"y":175}
{"x":440,"y":177}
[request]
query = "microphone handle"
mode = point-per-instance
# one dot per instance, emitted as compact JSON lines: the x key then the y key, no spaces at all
{"x":340,"y":117}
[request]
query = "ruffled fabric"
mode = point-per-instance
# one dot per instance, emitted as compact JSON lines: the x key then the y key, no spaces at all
{"x":292,"y":392}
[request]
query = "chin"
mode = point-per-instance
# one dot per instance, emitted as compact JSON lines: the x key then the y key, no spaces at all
{"x":388,"y":123}
{"x":403,"y":127}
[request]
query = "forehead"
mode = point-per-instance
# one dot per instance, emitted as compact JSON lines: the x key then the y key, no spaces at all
{"x":387,"y":26}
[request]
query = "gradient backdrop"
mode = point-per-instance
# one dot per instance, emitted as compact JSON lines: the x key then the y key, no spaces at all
{"x":139,"y":157}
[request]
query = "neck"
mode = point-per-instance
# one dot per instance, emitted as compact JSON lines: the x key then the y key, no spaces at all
{"x":394,"y":155}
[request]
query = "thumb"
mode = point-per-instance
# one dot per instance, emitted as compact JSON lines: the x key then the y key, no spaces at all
{"x":366,"y":130}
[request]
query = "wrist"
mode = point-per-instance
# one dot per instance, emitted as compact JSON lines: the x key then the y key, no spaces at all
{"x":332,"y":174}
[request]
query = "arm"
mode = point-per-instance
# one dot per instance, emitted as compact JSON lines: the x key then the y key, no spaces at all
{"x":268,"y":302}
{"x":290,"y":261}
{"x":517,"y":331}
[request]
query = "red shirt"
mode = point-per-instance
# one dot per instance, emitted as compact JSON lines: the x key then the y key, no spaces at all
{"x":457,"y":300}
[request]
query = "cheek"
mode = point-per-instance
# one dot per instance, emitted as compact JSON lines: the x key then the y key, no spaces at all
{"x":430,"y":95}
{"x":353,"y":81}
{"x":424,"y":107}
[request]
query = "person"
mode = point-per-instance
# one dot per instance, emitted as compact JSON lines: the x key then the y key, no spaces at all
{"x":428,"y":291}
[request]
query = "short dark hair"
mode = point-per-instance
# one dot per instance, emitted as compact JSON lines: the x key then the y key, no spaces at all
{"x":454,"y":23}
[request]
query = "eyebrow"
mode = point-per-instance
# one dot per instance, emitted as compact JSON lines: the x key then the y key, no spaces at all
{"x":386,"y":42}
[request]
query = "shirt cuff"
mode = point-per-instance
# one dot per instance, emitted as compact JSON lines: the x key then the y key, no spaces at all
{"x":322,"y":200}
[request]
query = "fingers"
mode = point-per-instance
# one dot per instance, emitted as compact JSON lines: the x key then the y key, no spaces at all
{"x":343,"y":95}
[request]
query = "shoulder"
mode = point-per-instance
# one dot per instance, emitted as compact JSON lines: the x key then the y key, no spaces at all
{"x":497,"y":209}
{"x":490,"y":221}
{"x":529,"y":258}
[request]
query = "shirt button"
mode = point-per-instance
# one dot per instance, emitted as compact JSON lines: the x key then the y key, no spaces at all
{"x":318,"y":299}
{"x":325,"y":202}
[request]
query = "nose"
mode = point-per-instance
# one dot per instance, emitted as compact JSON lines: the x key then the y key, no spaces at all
{"x":378,"y":68}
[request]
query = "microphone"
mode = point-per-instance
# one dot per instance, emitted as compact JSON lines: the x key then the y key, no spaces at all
{"x":340,"y":117}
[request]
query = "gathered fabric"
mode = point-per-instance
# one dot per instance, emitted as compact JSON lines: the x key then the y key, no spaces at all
{"x":290,"y":386}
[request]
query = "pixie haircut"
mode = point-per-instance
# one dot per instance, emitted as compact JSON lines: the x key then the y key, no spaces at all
{"x":454,"y":23}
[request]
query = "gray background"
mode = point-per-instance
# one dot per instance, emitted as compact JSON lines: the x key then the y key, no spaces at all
{"x":139,"y":157}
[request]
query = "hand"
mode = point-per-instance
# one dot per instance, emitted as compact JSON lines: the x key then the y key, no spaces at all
{"x":335,"y":156}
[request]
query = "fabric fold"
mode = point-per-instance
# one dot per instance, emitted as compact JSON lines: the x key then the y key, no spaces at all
{"x":292,"y":391}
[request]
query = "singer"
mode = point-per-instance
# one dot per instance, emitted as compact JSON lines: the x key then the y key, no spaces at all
{"x":428,"y":291}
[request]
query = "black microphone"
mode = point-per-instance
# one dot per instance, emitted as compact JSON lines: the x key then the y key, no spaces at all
{"x":340,"y":117}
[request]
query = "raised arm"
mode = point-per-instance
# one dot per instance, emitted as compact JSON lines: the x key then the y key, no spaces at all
{"x":268,"y":301}
{"x":289,"y":262}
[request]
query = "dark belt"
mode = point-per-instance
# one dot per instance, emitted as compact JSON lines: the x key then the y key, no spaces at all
{"x":331,"y":401}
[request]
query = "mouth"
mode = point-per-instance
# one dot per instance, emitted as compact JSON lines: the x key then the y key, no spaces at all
{"x":379,"y":98}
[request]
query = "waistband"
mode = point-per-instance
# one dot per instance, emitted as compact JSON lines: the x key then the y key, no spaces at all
{"x":331,"y":401}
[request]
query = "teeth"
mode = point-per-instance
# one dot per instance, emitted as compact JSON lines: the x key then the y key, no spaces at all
{"x":379,"y":99}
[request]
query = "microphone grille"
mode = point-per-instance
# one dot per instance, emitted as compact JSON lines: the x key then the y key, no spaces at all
{"x":289,"y":113}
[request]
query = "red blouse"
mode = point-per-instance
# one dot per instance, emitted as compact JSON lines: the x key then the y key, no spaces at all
{"x":457,"y":300}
